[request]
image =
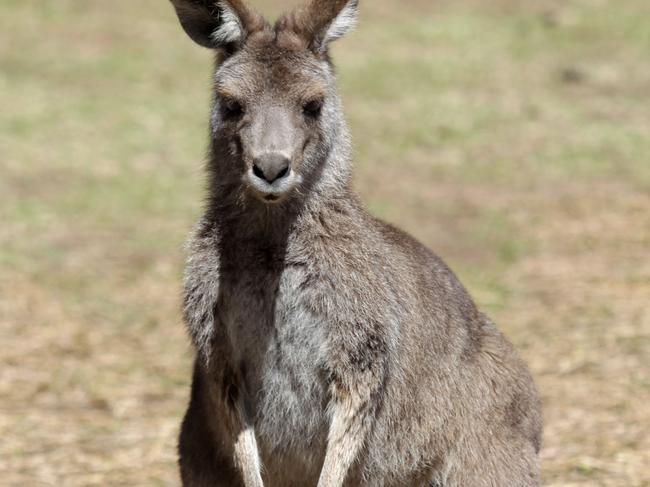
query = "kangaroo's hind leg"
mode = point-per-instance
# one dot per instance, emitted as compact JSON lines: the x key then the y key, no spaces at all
{"x":217,"y":446}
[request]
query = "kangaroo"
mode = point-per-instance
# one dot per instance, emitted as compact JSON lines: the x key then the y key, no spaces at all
{"x":332,"y":349}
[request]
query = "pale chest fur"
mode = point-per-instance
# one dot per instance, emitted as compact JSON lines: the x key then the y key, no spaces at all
{"x":279,"y":343}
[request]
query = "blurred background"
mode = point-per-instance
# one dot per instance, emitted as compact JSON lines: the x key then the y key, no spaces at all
{"x":512,"y":136}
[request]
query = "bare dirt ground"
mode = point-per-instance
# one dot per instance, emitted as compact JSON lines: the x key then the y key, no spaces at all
{"x":512,"y":137}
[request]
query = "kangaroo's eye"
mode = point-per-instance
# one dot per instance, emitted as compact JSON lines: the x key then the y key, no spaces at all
{"x":232,"y":108}
{"x":313,"y":108}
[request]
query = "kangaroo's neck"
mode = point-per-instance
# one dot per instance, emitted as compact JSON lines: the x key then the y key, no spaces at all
{"x":254,"y":223}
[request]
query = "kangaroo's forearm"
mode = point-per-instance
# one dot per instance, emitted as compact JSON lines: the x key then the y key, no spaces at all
{"x":350,"y":423}
{"x":247,"y":457}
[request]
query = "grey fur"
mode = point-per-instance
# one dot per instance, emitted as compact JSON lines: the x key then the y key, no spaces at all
{"x":332,"y":348}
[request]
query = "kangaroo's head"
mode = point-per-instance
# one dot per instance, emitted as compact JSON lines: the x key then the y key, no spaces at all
{"x":276,"y":119}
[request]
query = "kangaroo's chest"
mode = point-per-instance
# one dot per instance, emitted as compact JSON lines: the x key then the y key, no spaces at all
{"x":280,"y":344}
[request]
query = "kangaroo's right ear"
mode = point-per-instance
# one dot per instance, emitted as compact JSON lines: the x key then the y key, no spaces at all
{"x":221,"y":24}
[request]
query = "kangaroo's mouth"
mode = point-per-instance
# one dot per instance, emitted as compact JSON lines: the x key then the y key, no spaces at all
{"x":273,"y":192}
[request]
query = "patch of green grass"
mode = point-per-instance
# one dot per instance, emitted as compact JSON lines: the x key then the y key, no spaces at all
{"x":492,"y":85}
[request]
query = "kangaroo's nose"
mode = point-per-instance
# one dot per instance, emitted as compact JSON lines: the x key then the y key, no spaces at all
{"x":271,"y":167}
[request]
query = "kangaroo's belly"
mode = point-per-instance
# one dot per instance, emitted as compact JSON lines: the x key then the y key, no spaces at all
{"x":280,"y":344}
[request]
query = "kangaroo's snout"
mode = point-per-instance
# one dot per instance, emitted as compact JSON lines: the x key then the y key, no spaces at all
{"x":271,"y":166}
{"x":271,"y":176}
{"x":270,"y":148}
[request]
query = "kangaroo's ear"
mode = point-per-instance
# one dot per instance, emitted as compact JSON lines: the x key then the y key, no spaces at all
{"x":322,"y":21}
{"x":217,"y":24}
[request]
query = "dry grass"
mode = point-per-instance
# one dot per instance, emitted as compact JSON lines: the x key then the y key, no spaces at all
{"x":510,"y":137}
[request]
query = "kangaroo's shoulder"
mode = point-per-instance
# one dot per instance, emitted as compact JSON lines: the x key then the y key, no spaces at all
{"x":423,"y":262}
{"x":201,"y":283}
{"x":202,"y":254}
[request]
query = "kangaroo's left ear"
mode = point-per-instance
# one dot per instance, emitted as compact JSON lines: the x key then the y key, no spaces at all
{"x":322,"y":22}
{"x":217,"y":24}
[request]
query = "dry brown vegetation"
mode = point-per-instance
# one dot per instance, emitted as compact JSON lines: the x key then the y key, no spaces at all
{"x":511,"y":136}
